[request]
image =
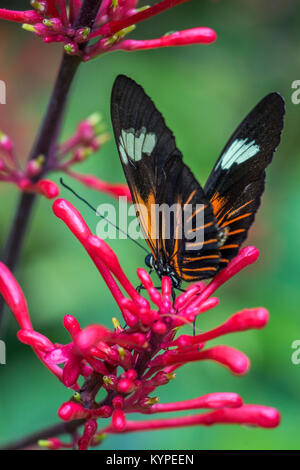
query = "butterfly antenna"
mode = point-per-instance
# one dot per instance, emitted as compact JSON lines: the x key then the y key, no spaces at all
{"x":98,"y":213}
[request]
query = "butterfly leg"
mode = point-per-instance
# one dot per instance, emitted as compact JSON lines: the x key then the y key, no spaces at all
{"x":173,"y":295}
{"x":139,"y":288}
{"x":180,"y":289}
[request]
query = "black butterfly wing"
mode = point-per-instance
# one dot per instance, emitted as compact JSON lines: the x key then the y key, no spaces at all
{"x":236,"y":182}
{"x":191,"y":257}
{"x":156,"y":174}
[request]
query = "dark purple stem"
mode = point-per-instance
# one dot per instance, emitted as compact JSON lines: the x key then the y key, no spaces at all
{"x":46,"y":141}
{"x":51,"y":431}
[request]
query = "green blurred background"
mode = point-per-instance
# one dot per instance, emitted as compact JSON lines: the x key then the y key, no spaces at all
{"x":204,"y":92}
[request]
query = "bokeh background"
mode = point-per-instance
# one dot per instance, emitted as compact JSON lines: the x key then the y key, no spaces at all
{"x":204,"y":92}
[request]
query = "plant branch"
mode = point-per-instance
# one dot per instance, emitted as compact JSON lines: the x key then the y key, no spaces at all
{"x":51,"y":431}
{"x":46,"y":141}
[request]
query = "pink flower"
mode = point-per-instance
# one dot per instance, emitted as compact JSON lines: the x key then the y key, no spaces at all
{"x":130,"y":363}
{"x":54,"y":22}
{"x":10,"y":172}
{"x":87,"y":139}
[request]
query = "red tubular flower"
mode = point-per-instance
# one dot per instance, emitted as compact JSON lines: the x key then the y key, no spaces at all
{"x":35,"y":339}
{"x":53,"y":443}
{"x":28,"y":16}
{"x":113,"y":189}
{"x":179,"y":38}
{"x":211,"y":400}
{"x":115,"y":26}
{"x":241,"y":321}
{"x":130,"y":363}
{"x":14,"y":297}
{"x":90,"y":429}
{"x":118,"y":421}
{"x":236,"y":361}
{"x":44,"y":187}
{"x":53,"y":22}
{"x":251,"y":415}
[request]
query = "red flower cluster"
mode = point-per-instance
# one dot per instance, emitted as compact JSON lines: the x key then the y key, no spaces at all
{"x":55,"y":21}
{"x":11,"y":173}
{"x":87,"y":139}
{"x":133,"y":361}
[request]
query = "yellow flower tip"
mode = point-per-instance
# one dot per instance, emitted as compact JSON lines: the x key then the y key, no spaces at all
{"x":116,"y":324}
{"x":107,"y":380}
{"x":47,"y":23}
{"x":28,"y":27}
{"x":87,"y":152}
{"x":99,"y":128}
{"x":152,"y":401}
{"x":121,"y":352}
{"x":40,"y":159}
{"x":171,"y":376}
{"x":86,"y":32}
{"x":169,"y":33}
{"x":114,"y":4}
{"x":145,"y":7}
{"x":70,"y":49}
{"x":111,"y":40}
{"x":103,"y":138}
{"x":119,"y":35}
{"x":37,"y":6}
{"x":44,"y":443}
{"x":127,"y":30}
{"x":99,"y":437}
{"x":77,"y":396}
{"x":94,"y":119}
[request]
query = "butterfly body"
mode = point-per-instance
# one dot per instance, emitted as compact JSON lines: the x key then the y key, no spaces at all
{"x":200,"y":229}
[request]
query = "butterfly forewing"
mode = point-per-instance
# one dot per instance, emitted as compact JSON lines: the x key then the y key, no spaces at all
{"x":156,"y":174}
{"x":203,"y":229}
{"x":236,"y":183}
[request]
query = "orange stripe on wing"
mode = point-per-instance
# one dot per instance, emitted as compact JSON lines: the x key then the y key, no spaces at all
{"x":212,"y":240}
{"x":235,"y":232}
{"x":176,"y":245}
{"x":236,"y":219}
{"x":241,"y":207}
{"x":226,"y":247}
{"x":209,"y":268}
{"x":202,"y":227}
{"x":200,"y":258}
{"x":203,"y":206}
{"x":190,"y":197}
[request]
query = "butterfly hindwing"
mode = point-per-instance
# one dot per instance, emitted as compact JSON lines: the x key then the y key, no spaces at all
{"x":191,"y":259}
{"x":236,"y":183}
{"x":156,"y":174}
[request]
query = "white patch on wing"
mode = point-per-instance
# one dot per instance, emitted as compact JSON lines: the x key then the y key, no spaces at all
{"x":238,"y":152}
{"x":133,"y":144}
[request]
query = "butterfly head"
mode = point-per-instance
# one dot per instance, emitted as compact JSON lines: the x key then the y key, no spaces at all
{"x":162,"y":270}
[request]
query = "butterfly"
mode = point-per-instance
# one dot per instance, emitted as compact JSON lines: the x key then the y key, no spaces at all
{"x":157,"y":175}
